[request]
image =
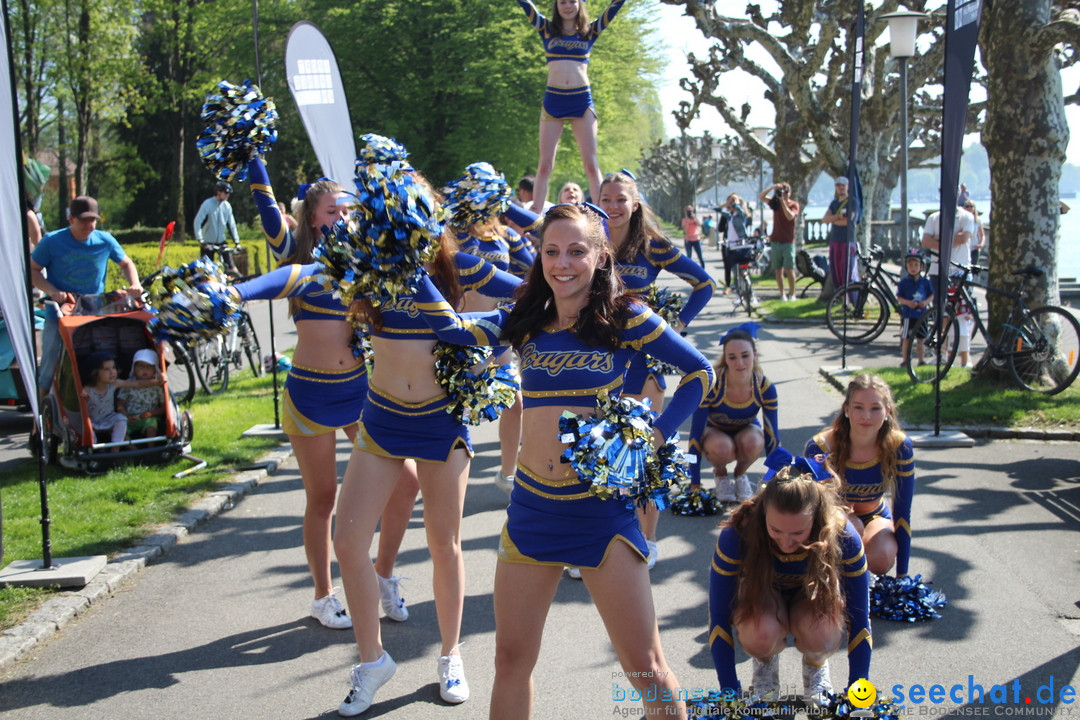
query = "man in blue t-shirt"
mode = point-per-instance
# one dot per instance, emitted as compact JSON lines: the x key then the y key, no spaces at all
{"x":73,"y":261}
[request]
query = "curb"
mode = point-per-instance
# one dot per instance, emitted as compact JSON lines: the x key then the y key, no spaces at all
{"x":59,"y":611}
{"x":977,"y":431}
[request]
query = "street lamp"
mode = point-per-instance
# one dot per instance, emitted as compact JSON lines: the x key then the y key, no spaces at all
{"x":762,"y":135}
{"x":717,"y":153}
{"x":903,"y":29}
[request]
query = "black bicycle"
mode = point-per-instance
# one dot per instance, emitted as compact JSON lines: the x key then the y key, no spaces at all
{"x":745,"y":258}
{"x":859,"y":312}
{"x":214,"y":356}
{"x":181,"y":373}
{"x":1040,"y":346}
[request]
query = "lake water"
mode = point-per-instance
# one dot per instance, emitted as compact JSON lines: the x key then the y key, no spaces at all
{"x":1068,"y":247}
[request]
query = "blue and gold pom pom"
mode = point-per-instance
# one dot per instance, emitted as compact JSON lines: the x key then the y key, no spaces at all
{"x":392,"y":230}
{"x":192,"y":303}
{"x":667,"y":304}
{"x":734,"y":705}
{"x":479,"y":194}
{"x":695,"y":501}
{"x":905,"y":599}
{"x":613,"y":452}
{"x":239,"y":124}
{"x":479,"y":391}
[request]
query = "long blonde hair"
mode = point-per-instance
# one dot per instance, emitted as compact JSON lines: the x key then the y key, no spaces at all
{"x":889,"y":438}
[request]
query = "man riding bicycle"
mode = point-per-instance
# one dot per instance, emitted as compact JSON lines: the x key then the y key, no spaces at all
{"x":215,"y":215}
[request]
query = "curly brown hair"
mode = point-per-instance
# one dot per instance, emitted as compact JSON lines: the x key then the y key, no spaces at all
{"x":789,"y":492}
{"x":602,"y":320}
{"x":889,"y":438}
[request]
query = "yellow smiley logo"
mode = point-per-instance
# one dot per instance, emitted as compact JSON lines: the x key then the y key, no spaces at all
{"x":862,"y":693}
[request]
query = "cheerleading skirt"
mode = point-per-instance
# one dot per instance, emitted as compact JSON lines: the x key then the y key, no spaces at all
{"x":566,"y":103}
{"x":558,"y":522}
{"x":322,"y":401}
{"x":421,"y":431}
{"x":881,"y":511}
{"x":637,"y":373}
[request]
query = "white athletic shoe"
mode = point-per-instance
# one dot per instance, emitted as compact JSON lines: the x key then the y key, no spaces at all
{"x":393,"y":604}
{"x":452,"y":686}
{"x":766,"y":678}
{"x":654,"y":554}
{"x":328,"y":611}
{"x":815,"y":682}
{"x":725,"y":489}
{"x":744,"y":489}
{"x":366,"y":680}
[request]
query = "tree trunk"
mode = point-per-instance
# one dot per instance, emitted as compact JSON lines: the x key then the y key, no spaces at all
{"x":1025,"y":136}
{"x":181,"y":152}
{"x":63,"y":200}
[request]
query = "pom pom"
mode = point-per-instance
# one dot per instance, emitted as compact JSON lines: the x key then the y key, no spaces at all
{"x":613,"y":452}
{"x":731,"y":704}
{"x":905,"y":599}
{"x":667,"y":305}
{"x":192,"y":303}
{"x":238,"y":125}
{"x":478,"y":390}
{"x":392,"y":230}
{"x":695,"y":501}
{"x":476,"y":196}
{"x":278,"y":360}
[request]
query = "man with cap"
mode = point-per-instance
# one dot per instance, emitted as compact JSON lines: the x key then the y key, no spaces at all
{"x":843,"y":260}
{"x":215,"y":216}
{"x":73,"y":261}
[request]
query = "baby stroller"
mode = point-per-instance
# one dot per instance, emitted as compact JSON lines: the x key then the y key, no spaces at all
{"x":115,"y":324}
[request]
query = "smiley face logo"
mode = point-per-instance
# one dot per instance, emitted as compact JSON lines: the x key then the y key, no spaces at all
{"x":862,"y":693}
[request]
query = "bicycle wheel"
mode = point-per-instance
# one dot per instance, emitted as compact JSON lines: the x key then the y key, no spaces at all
{"x":249,"y":341}
{"x":857,"y":312}
{"x":746,"y":290}
{"x":212,"y":365}
{"x":181,"y":376}
{"x":1045,"y":353}
{"x":939,"y":339}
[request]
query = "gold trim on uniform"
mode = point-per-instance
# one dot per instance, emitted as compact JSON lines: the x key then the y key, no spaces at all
{"x":719,"y":632}
{"x":864,"y":634}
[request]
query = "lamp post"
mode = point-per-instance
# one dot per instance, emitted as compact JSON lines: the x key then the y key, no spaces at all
{"x":903,"y":29}
{"x":762,"y":135}
{"x":717,"y":152}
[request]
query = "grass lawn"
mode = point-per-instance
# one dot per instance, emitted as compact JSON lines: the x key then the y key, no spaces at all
{"x":103,"y":514}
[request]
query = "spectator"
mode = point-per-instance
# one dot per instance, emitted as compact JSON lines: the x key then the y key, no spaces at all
{"x":914,"y":293}
{"x":980,"y":235}
{"x":784,"y":211}
{"x":216,"y":213}
{"x":692,"y":235}
{"x":523,"y":196}
{"x":843,"y":259}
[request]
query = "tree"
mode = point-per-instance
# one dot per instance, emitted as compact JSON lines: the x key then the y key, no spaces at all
{"x":676,"y":171}
{"x":1024,"y":45}
{"x":33,"y":44}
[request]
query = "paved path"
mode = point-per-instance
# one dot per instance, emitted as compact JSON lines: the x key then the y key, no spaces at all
{"x":218,"y":628}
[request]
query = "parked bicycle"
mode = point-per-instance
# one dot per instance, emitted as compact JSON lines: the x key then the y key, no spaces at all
{"x":1040,"y":346}
{"x":745,"y":258}
{"x":214,"y":357}
{"x":859,"y":312}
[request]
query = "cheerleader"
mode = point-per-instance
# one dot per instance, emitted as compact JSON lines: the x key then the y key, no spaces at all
{"x":873,"y":457}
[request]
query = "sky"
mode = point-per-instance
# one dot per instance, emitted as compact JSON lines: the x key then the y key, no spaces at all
{"x":682,"y":37}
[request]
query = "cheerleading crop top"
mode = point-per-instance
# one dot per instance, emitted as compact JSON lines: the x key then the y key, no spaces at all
{"x":504,"y":248}
{"x":716,"y":411}
{"x":789,"y":573}
{"x":863,"y":482}
{"x":639,"y":274}
{"x":574,"y":47}
{"x":558,"y":369}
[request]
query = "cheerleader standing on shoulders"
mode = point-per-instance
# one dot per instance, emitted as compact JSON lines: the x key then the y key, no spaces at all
{"x":641,"y":252}
{"x":573,"y":308}
{"x":726,"y":428}
{"x":324,"y":392}
{"x":872,"y":456}
{"x":789,"y":562}
{"x":568,"y":38}
{"x":406,"y":417}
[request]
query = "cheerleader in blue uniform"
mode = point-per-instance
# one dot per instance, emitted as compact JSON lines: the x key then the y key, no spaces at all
{"x":568,"y":37}
{"x":576,"y":332}
{"x":789,"y":562}
{"x":324,"y":392}
{"x":641,"y":252}
{"x":872,"y":457}
{"x":726,"y":428}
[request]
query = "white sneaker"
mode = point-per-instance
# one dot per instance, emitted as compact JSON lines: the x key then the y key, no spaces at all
{"x":766,"y":678}
{"x":329,"y":612}
{"x":504,"y":482}
{"x":744,"y":489}
{"x":815,"y":682}
{"x":725,"y":489}
{"x":574,"y":573}
{"x":393,"y":604}
{"x":366,"y":680}
{"x":452,"y":686}
{"x":654,"y":554}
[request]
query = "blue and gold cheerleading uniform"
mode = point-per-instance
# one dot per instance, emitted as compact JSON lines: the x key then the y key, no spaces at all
{"x":564,"y":103}
{"x":789,"y":574}
{"x":316,"y":401}
{"x":560,"y":522}
{"x":504,"y":248}
{"x":391,"y":427}
{"x":639,"y":275}
{"x":863,"y":482}
{"x":716,"y":411}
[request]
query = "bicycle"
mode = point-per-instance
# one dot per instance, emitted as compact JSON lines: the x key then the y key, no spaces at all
{"x":179,"y":367}
{"x":1040,"y":346}
{"x":859,"y":312}
{"x":744,"y":257}
{"x":214,"y":356}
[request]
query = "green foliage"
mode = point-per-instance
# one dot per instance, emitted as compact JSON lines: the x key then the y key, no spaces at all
{"x":144,"y":255}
